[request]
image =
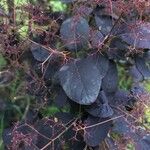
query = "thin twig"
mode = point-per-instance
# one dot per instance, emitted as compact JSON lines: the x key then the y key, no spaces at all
{"x":94,"y":125}
{"x":67,"y":128}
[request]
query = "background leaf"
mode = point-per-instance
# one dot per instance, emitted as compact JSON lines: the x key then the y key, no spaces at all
{"x":137,"y":35}
{"x":110,"y":81}
{"x":75,"y":33}
{"x":143,"y":68}
{"x":39,"y":52}
{"x":95,"y":135}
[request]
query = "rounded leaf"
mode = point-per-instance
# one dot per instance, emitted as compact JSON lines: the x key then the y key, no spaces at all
{"x":81,"y":81}
{"x":104,"y":24}
{"x":39,"y":53}
{"x":75,"y":33}
{"x":93,"y":136}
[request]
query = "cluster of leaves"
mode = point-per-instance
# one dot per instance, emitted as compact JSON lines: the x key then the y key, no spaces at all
{"x":70,"y":60}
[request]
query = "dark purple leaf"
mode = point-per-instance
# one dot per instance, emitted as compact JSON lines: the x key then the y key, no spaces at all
{"x":94,"y":110}
{"x":121,"y":126}
{"x":143,"y":67}
{"x":137,"y":35}
{"x":61,"y":98}
{"x":147,"y":56}
{"x":7,"y":136}
{"x":93,"y":136}
{"x":97,"y":39}
{"x":50,"y":71}
{"x":51,"y":128}
{"x":101,"y":107}
{"x":135,"y":74}
{"x":81,"y":81}
{"x":120,"y":98}
{"x":13,"y":138}
{"x":144,"y":143}
{"x":64,"y":117}
{"x":75,"y":33}
{"x":110,"y":81}
{"x":101,"y":62}
{"x":117,"y":49}
{"x":137,"y":90}
{"x":78,"y":144}
{"x":68,"y":135}
{"x":46,"y":128}
{"x":39,"y":53}
{"x":102,"y":97}
{"x":104,"y":24}
{"x":106,"y":111}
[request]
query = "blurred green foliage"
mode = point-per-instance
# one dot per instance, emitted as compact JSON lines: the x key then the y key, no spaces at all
{"x":130,"y":146}
{"x":147,"y":85}
{"x":57,"y":5}
{"x":50,"y":111}
{"x":3,"y":62}
{"x":125,"y":80}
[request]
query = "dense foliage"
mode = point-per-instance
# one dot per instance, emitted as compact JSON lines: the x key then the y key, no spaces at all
{"x":65,"y":66}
